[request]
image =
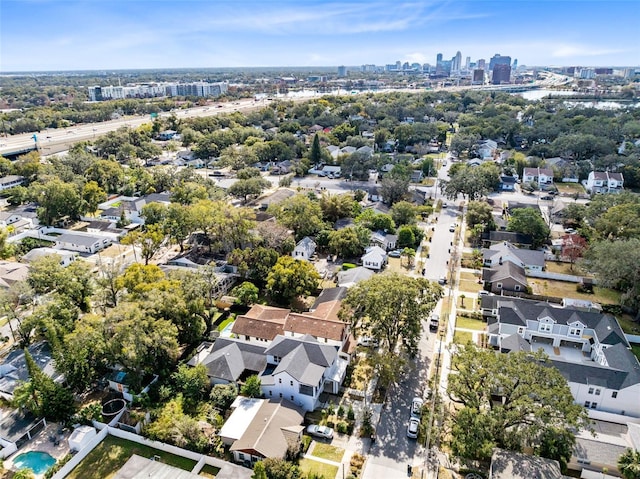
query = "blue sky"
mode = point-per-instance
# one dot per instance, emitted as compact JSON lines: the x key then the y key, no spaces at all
{"x":120,"y":34}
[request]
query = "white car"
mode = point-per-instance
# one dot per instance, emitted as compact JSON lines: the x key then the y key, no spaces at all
{"x":413,"y":427}
{"x":323,"y":432}
{"x":416,"y":407}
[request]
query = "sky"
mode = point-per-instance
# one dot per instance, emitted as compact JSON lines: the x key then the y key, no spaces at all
{"x":44,"y":35}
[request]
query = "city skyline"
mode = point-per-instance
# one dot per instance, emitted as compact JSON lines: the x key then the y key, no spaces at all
{"x":41,"y":35}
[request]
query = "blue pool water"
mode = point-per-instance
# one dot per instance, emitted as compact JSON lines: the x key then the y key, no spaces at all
{"x":37,"y":461}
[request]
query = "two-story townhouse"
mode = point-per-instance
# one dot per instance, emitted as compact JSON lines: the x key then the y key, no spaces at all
{"x":229,"y":360}
{"x":542,"y":176}
{"x":300,"y":369}
{"x":588,"y":348}
{"x":10,"y":181}
{"x":82,"y":243}
{"x":604,"y":182}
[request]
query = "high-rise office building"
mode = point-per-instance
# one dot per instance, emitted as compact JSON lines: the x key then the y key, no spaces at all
{"x":482,"y":64}
{"x":456,"y":62}
{"x":342,"y":71}
{"x":514,"y":67}
{"x":438,"y":58}
{"x":467,"y":63}
{"x":478,"y":77}
{"x":501,"y":73}
{"x":498,"y":59}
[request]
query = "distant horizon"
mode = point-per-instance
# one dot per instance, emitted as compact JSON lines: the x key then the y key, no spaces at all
{"x":40,"y":36}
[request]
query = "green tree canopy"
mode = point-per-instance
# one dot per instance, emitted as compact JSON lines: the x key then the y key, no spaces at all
{"x":290,"y":278}
{"x":529,"y":221}
{"x":300,"y":213}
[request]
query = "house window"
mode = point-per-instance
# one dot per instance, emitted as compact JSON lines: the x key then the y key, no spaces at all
{"x":280,"y":395}
{"x":521,"y":330}
{"x":594,"y":405}
{"x":270,"y":393}
{"x":587,"y":403}
{"x":246,"y":338}
{"x":499,"y":285}
{"x":241,"y":456}
{"x":575,"y":331}
{"x":280,"y":380}
{"x":545,"y":328}
{"x":614,"y":394}
{"x":291,"y":383}
{"x":292,"y":398}
{"x":591,"y":390}
{"x":276,"y":359}
{"x":597,"y":392}
{"x":517,"y":287}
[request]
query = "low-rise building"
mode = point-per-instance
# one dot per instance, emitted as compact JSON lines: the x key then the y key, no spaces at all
{"x":305,"y":249}
{"x":10,"y":181}
{"x":542,"y":176}
{"x":531,"y":260}
{"x":375,"y":258}
{"x":82,"y":243}
{"x":65,"y":257}
{"x":604,"y":182}
{"x":507,"y":276}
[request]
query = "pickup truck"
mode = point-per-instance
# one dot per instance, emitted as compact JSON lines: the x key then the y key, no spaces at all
{"x":434,"y":322}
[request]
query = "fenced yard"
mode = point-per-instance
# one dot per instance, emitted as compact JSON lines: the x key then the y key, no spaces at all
{"x":562,"y":289}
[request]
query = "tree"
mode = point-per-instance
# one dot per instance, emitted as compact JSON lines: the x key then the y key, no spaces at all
{"x":410,"y":254}
{"x":275,"y":236}
{"x":299,"y":213}
{"x":12,"y":299}
{"x":192,"y":383}
{"x":335,"y":207}
{"x":148,"y":241}
{"x":246,"y":293}
{"x":628,"y":464}
{"x":108,"y":174}
{"x":252,"y":387}
{"x":280,"y":469}
{"x":290,"y":278}
{"x":259,"y":471}
{"x":619,"y":222}
{"x":178,"y":224}
{"x":315,"y":153}
{"x":92,"y":195}
{"x":391,"y":308}
{"x":174,"y":426}
{"x":535,"y":397}
{"x":479,"y":212}
{"x":42,"y":396}
{"x":529,"y":221}
{"x":403,"y":213}
{"x":154,"y":213}
{"x":409,"y":236}
{"x":254,"y":264}
{"x":376,"y":221}
{"x":573,"y":246}
{"x":223,"y":395}
{"x":56,"y":200}
{"x":557,"y":443}
{"x":251,"y":187}
{"x":24,"y":473}
{"x":83,"y":359}
{"x":349,"y":242}
{"x":394,"y":188}
{"x":616,"y":264}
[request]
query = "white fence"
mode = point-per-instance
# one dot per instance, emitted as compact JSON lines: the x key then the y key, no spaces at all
{"x":555,"y":276}
{"x":227,"y":469}
{"x":611,"y":417}
{"x":633,"y":338}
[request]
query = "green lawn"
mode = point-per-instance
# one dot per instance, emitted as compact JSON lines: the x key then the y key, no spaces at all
{"x":636,"y":350}
{"x":462,"y":337}
{"x":327,"y":451}
{"x":111,"y":454}
{"x":562,"y":289}
{"x":320,"y":469}
{"x":570,"y":188}
{"x":226,"y":322}
{"x":468,"y":323}
{"x":628,"y":325}
{"x":563,"y":268}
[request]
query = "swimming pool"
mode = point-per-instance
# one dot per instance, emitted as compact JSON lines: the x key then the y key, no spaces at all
{"x":37,"y":461}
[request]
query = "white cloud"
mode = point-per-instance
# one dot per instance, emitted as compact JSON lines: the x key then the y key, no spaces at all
{"x":570,"y":51}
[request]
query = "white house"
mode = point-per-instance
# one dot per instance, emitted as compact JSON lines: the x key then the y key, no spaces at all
{"x":331,"y":171}
{"x":10,"y":181}
{"x":604,"y":182}
{"x":8,"y":218}
{"x":351,"y":277}
{"x":542,"y":176}
{"x":65,"y":257}
{"x":384,"y":240}
{"x":303,"y":369}
{"x":82,"y":243}
{"x":486,"y":149}
{"x":501,"y":252}
{"x":588,"y":348}
{"x":305,"y":249}
{"x":375,"y":258}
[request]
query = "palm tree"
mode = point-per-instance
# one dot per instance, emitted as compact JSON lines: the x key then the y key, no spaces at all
{"x":462,"y":298}
{"x":410,"y":254}
{"x":629,"y":464}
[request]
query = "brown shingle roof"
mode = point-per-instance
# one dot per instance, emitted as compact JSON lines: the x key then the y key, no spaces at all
{"x":264,"y":322}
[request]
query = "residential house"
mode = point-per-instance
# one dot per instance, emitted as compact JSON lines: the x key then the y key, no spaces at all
{"x":138,"y":467}
{"x":589,"y":348}
{"x":12,"y":272}
{"x":375,"y":258}
{"x":28,"y":213}
{"x":305,"y":249}
{"x":416,"y":176}
{"x":16,"y":429}
{"x":486,"y":149}
{"x":506,"y":276}
{"x":13,"y":369}
{"x":65,"y":257}
{"x":275,"y":198}
{"x":300,"y":369}
{"x":230,"y":360}
{"x":226,"y":275}
{"x":282,"y":168}
{"x":604,"y":182}
{"x":130,"y":207}
{"x":542,"y":176}
{"x":331,"y":171}
{"x":366,"y":151}
{"x":516,"y":465}
{"x":518,"y":239}
{"x":351,"y":277}
{"x":10,"y":181}
{"x":82,"y":243}
{"x":499,"y":253}
{"x":8,"y":218}
{"x":507,"y":183}
{"x":261,"y":324}
{"x":258,"y":429}
{"x":384,"y":240}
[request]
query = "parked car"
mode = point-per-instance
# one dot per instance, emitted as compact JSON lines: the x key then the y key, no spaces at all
{"x":483,"y":292}
{"x":546,"y":198}
{"x":367,"y":341}
{"x":322,"y":432}
{"x":416,"y":407}
{"x":413,"y":427}
{"x":442,"y":280}
{"x":396,"y":253}
{"x":434,"y":322}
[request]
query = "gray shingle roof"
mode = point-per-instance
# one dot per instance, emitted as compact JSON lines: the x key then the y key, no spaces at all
{"x":229,"y":359}
{"x":305,"y":359}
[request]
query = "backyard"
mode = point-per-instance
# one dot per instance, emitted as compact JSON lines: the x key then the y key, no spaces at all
{"x":468,"y":323}
{"x":309,"y":467}
{"x":111,"y":454}
{"x":563,"y":268}
{"x":328,"y":452}
{"x":570,"y":188}
{"x":562,"y":289}
{"x":469,"y":282}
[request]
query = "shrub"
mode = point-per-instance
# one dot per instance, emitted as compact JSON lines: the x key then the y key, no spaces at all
{"x":305,"y":443}
{"x":342,"y":427}
{"x":351,"y":415}
{"x":57,"y":466}
{"x":331,"y":424}
{"x":341,"y":411}
{"x":346,"y":266}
